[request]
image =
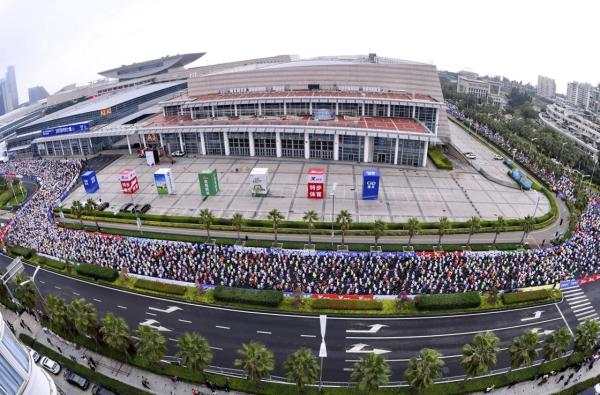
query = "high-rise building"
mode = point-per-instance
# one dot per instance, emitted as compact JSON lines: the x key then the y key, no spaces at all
{"x":37,"y":93}
{"x":8,"y":91}
{"x":582,"y":95}
{"x":546,"y":87}
{"x":2,"y":105}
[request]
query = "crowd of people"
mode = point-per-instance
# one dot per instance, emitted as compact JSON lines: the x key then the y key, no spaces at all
{"x":291,"y":270}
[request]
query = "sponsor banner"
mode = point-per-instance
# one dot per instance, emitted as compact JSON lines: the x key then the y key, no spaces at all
{"x":568,"y":283}
{"x":589,"y":279}
{"x":67,"y":129}
{"x":342,"y":297}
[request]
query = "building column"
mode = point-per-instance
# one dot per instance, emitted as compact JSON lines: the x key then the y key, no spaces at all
{"x":142,"y":140}
{"x":306,"y":146}
{"x":389,"y":110}
{"x":212,"y":110}
{"x":202,"y":144}
{"x":91,"y":146}
{"x":278,"y":144}
{"x":259,"y":109}
{"x":337,"y":108}
{"x":284,"y":108}
{"x":363,"y":110}
{"x":235,"y":109}
{"x":396,"y":150}
{"x":128,"y":144}
{"x":336,"y":146}
{"x":414,"y":111}
{"x":62,"y":148}
{"x":425,"y":154}
{"x":251,"y":143}
{"x":226,"y":143}
{"x":310,"y":111}
{"x":70,"y":147}
{"x":160,"y":138}
{"x":368,"y":149}
{"x":81,"y":147}
{"x":181,"y":142}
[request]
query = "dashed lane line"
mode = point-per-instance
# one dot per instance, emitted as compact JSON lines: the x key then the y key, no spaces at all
{"x":122,"y":307}
{"x":216,"y":348}
{"x":152,"y":314}
{"x":57,"y":287}
{"x":264,"y":332}
{"x":42,"y":282}
{"x":222,"y":327}
{"x":173,"y":340}
{"x":311,"y":336}
{"x":97,"y":300}
{"x":186,"y":321}
{"x":75,"y":293}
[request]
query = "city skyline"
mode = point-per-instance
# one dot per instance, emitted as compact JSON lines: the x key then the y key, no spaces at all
{"x":69,"y":58}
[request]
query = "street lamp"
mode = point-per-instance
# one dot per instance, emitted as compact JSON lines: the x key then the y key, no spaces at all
{"x":332,"y":194}
{"x":323,"y":348}
{"x":32,"y":280}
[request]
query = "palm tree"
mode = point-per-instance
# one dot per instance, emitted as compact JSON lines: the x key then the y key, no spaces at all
{"x":522,"y":350}
{"x":207,"y":218}
{"x":528,"y":223}
{"x":344,"y":219}
{"x":115,"y":332}
{"x":413,"y":225}
{"x":194,"y":351}
{"x":499,"y":226}
{"x":444,"y":226}
{"x":378,"y":230}
{"x":88,"y":209}
{"x":84,"y":315}
{"x":424,"y":369}
{"x":302,"y":368}
{"x":474,"y":223}
{"x":275,"y":217}
{"x":370,"y":372}
{"x":256,"y":360}
{"x":556,"y":344}
{"x":77,"y":210}
{"x":479,"y":356}
{"x":310,"y":217}
{"x":237,"y":221}
{"x":152,"y":345}
{"x":57,"y":311}
{"x":586,"y":336}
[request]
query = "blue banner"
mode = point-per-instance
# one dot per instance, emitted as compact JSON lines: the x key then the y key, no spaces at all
{"x":568,"y":283}
{"x":74,"y":128}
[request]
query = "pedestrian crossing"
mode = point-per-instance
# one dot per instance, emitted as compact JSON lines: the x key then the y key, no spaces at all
{"x":579,"y":303}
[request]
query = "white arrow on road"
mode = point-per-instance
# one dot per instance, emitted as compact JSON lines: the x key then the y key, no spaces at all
{"x":153,"y":324}
{"x":170,"y":309}
{"x":359,"y":349}
{"x":372,"y":329}
{"x":536,"y":316}
{"x":543,"y":333}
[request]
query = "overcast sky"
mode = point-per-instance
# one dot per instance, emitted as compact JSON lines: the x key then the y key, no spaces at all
{"x":57,"y":42}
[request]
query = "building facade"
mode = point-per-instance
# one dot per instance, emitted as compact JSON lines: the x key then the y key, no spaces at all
{"x":583,"y":95}
{"x":37,"y":93}
{"x":484,"y":89}
{"x":546,"y":87}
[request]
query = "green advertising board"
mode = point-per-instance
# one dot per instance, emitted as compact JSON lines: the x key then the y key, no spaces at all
{"x":209,"y":182}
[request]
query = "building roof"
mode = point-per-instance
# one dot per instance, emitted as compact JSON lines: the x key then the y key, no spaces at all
{"x":151,"y":67}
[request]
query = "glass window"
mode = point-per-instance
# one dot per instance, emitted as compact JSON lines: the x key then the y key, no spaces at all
{"x":16,"y":349}
{"x":10,"y":379}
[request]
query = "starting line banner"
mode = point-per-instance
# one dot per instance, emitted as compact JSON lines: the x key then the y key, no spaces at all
{"x":589,"y":279}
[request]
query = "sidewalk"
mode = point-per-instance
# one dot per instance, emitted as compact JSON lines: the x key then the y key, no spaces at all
{"x":117,"y":370}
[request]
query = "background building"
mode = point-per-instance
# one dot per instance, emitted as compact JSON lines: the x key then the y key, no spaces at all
{"x":546,"y":87}
{"x":37,"y":93}
{"x":9,"y":95}
{"x":583,"y":95}
{"x":483,"y":88}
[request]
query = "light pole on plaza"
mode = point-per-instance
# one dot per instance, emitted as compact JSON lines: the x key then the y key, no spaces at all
{"x":332,"y":194}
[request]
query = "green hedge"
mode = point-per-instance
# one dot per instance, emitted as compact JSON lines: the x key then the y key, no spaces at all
{"x":270,"y":298}
{"x":526,"y":296}
{"x":156,"y":286}
{"x":26,"y":253}
{"x":448,"y":301}
{"x":339,"y":304}
{"x":58,"y":265}
{"x":95,"y":377}
{"x":97,"y":272}
{"x":439,"y":159}
{"x":5,"y":197}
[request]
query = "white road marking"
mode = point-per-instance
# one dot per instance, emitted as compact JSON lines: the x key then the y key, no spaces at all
{"x":359,"y":348}
{"x":572,"y":300}
{"x":563,"y":318}
{"x":57,"y":287}
{"x":572,"y":291}
{"x":586,"y":317}
{"x":186,"y":321}
{"x":449,"y":334}
{"x":582,"y":309}
{"x":311,"y":336}
{"x":173,"y":340}
{"x":168,"y":310}
{"x":75,"y":293}
{"x":222,"y":327}
{"x":153,"y":324}
{"x":97,"y":300}
{"x":42,"y":282}
{"x":264,"y":332}
{"x":580,"y":304}
{"x":536,"y":315}
{"x":216,"y":348}
{"x":372,"y":329}
{"x":122,"y":307}
{"x":152,"y":314}
{"x":570,"y":288}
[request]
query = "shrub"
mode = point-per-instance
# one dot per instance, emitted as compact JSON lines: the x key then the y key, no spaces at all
{"x":342,"y":304}
{"x":439,"y":159}
{"x":58,"y":265}
{"x":526,"y":296}
{"x":270,"y":298}
{"x":156,"y":286}
{"x":26,"y":253}
{"x":97,"y":272}
{"x":448,"y":301}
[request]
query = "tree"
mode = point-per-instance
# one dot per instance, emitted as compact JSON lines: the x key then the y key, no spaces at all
{"x":194,"y":351}
{"x":479,"y":356}
{"x":474,"y":224}
{"x":378,"y":230}
{"x":152,"y":345}
{"x":310,"y":217}
{"x":528,"y":223}
{"x":556,"y":344}
{"x":77,"y":210}
{"x":237,"y":221}
{"x":522,"y":350}
{"x":444,"y":226}
{"x":424,"y":369}
{"x":499,"y":226}
{"x":115,"y":332}
{"x":88,"y":209}
{"x":256,"y":360}
{"x":275,"y":217}
{"x":83,"y":315}
{"x":26,"y":293}
{"x":586,"y":336}
{"x":57,"y":311}
{"x":413,"y":225}
{"x":344,"y":219}
{"x":370,"y":372}
{"x":207,"y":218}
{"x":302,"y":368}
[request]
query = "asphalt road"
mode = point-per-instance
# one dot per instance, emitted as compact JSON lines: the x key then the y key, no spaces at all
{"x":347,"y":339}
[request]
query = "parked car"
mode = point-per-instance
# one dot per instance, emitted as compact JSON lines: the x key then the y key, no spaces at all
{"x":498,"y":157}
{"x":125,"y":208}
{"x":50,"y":365}
{"x":76,"y":380}
{"x":178,"y":154}
{"x":35,"y":355}
{"x":135,"y":209}
{"x":470,"y":155}
{"x":102,"y":206}
{"x":97,"y":389}
{"x":145,"y":208}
